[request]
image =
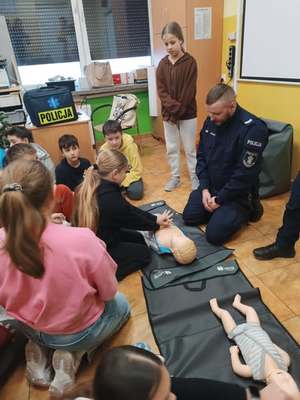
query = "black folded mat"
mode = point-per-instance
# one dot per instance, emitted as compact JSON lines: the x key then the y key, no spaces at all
{"x":162,"y":277}
{"x":190,"y":337}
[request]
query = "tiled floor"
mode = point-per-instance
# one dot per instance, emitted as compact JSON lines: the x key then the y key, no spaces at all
{"x":278,"y":280}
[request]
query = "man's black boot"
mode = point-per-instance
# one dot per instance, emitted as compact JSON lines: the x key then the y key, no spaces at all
{"x":257,"y":209}
{"x":273,"y":251}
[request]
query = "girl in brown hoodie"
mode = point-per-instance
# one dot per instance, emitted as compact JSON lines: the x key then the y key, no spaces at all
{"x":176,"y":85}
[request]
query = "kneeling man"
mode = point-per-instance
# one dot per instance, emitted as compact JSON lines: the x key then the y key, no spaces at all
{"x":229,"y":161}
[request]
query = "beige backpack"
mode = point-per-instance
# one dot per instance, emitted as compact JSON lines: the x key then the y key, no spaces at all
{"x":98,"y":74}
{"x":121,"y":103}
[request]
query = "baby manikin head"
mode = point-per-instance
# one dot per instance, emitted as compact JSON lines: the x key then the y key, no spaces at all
{"x":184,"y":249}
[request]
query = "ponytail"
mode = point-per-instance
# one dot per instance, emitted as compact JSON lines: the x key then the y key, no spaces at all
{"x":25,"y":188}
{"x":86,"y":212}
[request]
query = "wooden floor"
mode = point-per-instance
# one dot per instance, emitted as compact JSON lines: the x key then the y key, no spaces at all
{"x":278,"y":280}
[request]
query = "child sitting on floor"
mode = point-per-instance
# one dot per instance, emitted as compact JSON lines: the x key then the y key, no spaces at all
{"x":100,"y":205}
{"x":117,"y":140}
{"x":19,"y":134}
{"x":70,"y":170}
{"x":128,"y":372}
{"x":58,"y":282}
{"x":63,"y":196}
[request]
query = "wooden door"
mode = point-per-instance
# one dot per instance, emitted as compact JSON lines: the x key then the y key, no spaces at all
{"x":207,"y":52}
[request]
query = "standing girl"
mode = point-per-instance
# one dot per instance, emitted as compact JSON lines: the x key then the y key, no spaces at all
{"x":100,"y":205}
{"x":176,"y":84}
{"x":57,"y":282}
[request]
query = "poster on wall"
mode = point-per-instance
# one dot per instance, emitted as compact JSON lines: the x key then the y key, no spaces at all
{"x":202,"y":23}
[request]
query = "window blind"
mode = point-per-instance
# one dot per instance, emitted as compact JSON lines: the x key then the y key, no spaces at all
{"x":117,"y":28}
{"x":41,"y":31}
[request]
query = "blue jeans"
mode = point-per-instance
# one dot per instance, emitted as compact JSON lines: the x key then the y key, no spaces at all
{"x":135,"y":191}
{"x":116,"y":313}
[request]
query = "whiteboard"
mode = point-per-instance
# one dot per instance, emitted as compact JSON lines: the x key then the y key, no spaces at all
{"x":270,"y":47}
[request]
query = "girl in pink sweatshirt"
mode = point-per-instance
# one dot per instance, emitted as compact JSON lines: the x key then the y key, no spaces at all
{"x":57,"y":282}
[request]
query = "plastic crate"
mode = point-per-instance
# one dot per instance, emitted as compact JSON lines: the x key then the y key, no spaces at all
{"x":16,"y":117}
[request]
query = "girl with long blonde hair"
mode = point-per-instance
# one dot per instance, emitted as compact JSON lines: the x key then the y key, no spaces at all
{"x":101,"y":206}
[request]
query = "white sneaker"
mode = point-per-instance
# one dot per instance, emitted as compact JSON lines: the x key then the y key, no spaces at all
{"x":172,"y":184}
{"x":65,"y":365}
{"x":38,"y":371}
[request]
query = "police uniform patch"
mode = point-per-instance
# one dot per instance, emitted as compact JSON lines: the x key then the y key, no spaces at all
{"x":249,"y":159}
{"x":254,"y":143}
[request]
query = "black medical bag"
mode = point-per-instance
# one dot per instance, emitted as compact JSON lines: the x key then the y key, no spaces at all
{"x":50,"y":105}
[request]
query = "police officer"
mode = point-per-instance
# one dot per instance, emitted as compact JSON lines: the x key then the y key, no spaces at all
{"x":288,"y":234}
{"x":228,"y":165}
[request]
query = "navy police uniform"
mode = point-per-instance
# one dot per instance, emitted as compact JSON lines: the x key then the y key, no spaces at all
{"x":229,"y":161}
{"x":288,"y":234}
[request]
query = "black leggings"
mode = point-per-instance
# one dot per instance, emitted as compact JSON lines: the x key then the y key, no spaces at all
{"x":203,"y":389}
{"x":131,"y":254}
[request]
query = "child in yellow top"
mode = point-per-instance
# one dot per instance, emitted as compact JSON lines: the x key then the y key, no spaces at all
{"x":115,"y":139}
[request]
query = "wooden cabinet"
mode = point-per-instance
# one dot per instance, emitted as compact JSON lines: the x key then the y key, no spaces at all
{"x":166,"y":11}
{"x":47,"y":137}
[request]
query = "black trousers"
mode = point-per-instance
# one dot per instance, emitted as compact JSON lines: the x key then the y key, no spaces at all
{"x":198,"y":389}
{"x":222,"y":223}
{"x":288,"y":234}
{"x":131,"y":254}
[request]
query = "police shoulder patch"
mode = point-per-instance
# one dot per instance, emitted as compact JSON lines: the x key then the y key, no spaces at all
{"x":250,"y":159}
{"x":254,"y":143}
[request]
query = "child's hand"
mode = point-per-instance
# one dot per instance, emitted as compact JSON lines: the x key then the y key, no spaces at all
{"x":234,"y":350}
{"x":57,"y":218}
{"x":164,"y":220}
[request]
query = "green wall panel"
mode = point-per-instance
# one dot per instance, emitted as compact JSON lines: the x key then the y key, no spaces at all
{"x":144,"y":120}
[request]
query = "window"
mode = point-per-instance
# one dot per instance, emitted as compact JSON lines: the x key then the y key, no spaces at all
{"x":117,"y":28}
{"x":41,"y":31}
{"x":46,"y":42}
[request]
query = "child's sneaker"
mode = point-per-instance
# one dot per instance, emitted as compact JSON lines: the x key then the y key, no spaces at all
{"x":38,"y":372}
{"x":145,"y":346}
{"x":65,"y":365}
{"x":172,"y":184}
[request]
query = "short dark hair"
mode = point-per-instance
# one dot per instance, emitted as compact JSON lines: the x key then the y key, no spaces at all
{"x":111,"y":126}
{"x":218,"y":91}
{"x":21,"y":132}
{"x":127,"y":372}
{"x":67,"y":141}
{"x":18,"y":150}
